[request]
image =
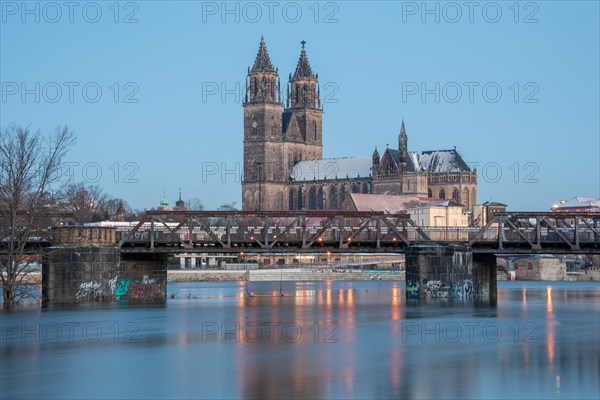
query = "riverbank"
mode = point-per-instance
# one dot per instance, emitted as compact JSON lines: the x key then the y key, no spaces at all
{"x":287,"y":274}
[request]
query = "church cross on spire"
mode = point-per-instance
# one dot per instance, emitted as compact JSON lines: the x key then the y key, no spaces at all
{"x":303,"y":68}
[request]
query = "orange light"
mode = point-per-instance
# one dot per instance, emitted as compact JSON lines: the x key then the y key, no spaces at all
{"x":274,"y":236}
{"x":394,"y":239}
{"x":320,"y":239}
{"x":242,"y":253}
{"x":251,"y":237}
{"x":349,"y":239}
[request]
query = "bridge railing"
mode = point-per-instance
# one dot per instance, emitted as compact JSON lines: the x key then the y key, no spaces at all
{"x":345,"y":230}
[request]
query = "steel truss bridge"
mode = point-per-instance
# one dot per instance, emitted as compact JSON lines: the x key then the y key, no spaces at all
{"x":347,"y":232}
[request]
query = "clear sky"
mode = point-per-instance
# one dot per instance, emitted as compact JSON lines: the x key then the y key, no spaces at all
{"x":517,"y":87}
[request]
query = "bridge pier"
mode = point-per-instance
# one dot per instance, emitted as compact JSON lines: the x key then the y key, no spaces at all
{"x":449,"y":272}
{"x":85,"y":265}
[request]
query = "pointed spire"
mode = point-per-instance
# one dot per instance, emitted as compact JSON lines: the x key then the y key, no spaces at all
{"x":402,"y":138}
{"x":376,"y":157}
{"x":402,"y":128}
{"x":303,"y":68}
{"x":262,"y":62}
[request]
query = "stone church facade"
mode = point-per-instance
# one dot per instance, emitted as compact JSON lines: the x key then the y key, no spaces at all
{"x":284,"y":167}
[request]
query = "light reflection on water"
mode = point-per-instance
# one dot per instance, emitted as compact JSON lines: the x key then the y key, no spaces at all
{"x":310,"y":340}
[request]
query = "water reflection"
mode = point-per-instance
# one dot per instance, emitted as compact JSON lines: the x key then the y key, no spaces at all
{"x":311,"y":340}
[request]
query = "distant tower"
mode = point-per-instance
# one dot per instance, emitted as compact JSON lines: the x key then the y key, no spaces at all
{"x":262,"y":136}
{"x":180,"y":204}
{"x":164,"y":203}
{"x":403,"y":147}
{"x":120,"y":211}
{"x":376,"y":160}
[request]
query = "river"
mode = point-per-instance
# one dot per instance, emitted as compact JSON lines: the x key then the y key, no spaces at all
{"x":341,"y":339}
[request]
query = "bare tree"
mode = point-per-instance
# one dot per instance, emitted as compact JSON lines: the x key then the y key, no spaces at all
{"x":87,"y":203}
{"x":30,"y":166}
{"x":194,"y":204}
{"x":228,"y":207}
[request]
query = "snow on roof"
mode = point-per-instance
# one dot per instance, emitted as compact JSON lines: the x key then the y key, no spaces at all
{"x":439,"y":161}
{"x":332,"y":168}
{"x":581,"y":202}
{"x":392,"y":204}
{"x":494,"y":203}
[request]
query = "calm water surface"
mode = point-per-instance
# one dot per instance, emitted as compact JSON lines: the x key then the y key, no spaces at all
{"x":320,"y":340}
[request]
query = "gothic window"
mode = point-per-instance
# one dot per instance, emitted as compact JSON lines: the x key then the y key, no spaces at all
{"x":455,"y":195}
{"x":273,"y":126}
{"x":333,"y":198}
{"x":262,"y":88}
{"x":442,"y":194}
{"x":342,"y":195}
{"x":429,"y":193}
{"x":315,"y":129}
{"x":465,"y":198}
{"x":365,"y":187}
{"x":297,"y":94}
{"x":300,"y":202}
{"x":304,"y":94}
{"x":320,"y":199}
{"x":291,"y":200}
{"x":312,"y":198}
{"x":355,"y":188}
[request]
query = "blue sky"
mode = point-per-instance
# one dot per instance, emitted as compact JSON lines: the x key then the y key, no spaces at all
{"x":162,"y":120}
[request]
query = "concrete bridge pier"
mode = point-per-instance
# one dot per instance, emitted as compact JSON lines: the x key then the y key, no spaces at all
{"x":143,"y":278}
{"x":85,"y":265}
{"x":449,"y":272}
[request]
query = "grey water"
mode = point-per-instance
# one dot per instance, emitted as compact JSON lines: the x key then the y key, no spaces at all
{"x":342,"y":339}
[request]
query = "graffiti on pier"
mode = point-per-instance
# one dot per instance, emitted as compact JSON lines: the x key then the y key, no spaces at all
{"x":467,"y":288}
{"x":457,"y":290}
{"x":435,"y":289}
{"x":412,"y":289}
{"x":146,"y":289}
{"x":96,"y":291}
{"x":122,"y":288}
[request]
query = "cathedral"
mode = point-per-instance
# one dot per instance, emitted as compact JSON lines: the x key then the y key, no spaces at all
{"x":284,"y":168}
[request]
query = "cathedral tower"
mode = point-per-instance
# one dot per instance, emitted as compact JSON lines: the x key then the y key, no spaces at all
{"x":262,"y":135}
{"x":303,"y":115}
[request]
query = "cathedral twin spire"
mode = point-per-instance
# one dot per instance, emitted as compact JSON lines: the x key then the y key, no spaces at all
{"x":302,"y":91}
{"x":303,"y":67}
{"x":263,"y":61}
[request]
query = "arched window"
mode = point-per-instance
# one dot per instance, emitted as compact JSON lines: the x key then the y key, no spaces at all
{"x":466,"y":198}
{"x":456,"y":195}
{"x":365,"y":187}
{"x":315,"y":129}
{"x":342,"y":195}
{"x":300,"y":202}
{"x":333,"y":198}
{"x":355,"y":188}
{"x":442,"y":194}
{"x":320,"y":198}
{"x":429,"y":193}
{"x":291,"y":200}
{"x":312,"y":198}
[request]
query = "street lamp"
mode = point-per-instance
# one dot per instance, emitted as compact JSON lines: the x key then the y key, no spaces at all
{"x":258,"y":164}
